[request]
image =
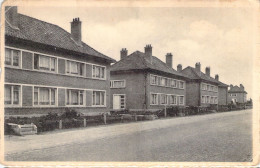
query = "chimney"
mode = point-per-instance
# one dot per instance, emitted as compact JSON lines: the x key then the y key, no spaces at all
{"x":217,"y":77}
{"x":231,"y":86}
{"x":197,"y":66}
{"x":169,"y":60}
{"x":76,"y":30}
{"x":123,"y":53}
{"x":11,"y":16}
{"x":148,"y":52}
{"x":207,"y":71}
{"x":242,"y":87}
{"x":179,"y":68}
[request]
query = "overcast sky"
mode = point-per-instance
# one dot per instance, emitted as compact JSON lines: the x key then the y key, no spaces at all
{"x":221,"y":38}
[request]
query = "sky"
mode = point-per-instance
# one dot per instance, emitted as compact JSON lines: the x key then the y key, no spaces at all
{"x":222,"y":38}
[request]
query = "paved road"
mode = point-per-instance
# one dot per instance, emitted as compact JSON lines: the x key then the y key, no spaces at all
{"x":215,"y":137}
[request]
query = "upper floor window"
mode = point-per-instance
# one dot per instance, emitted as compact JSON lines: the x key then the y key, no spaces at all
{"x":44,"y":96}
{"x":163,"y":99}
{"x":117,"y":84}
{"x":98,"y":98}
{"x":203,"y":86}
{"x":98,"y":72}
{"x":45,"y":63}
{"x":181,"y":100}
{"x":233,"y":94}
{"x":12,"y":94}
{"x":181,"y":84}
{"x":74,"y":97}
{"x":154,"y":99}
{"x":173,"y":83}
{"x":74,"y":68}
{"x":163,"y":81}
{"x":12,"y":57}
{"x":154,"y":80}
{"x":215,"y":88}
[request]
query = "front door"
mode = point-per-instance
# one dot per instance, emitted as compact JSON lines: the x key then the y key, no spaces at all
{"x":118,"y":102}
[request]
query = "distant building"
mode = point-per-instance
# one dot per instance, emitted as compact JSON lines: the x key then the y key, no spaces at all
{"x":237,"y":94}
{"x":202,"y":89}
{"x":141,"y":81}
{"x":48,"y":69}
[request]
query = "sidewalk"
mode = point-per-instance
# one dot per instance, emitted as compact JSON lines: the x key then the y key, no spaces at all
{"x":18,"y":144}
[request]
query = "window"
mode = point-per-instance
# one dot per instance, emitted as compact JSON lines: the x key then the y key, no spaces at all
{"x":181,"y":100}
{"x":154,"y":99}
{"x":173,"y":99}
{"x":74,"y":68}
{"x":154,"y":80}
{"x":173,"y":83}
{"x":44,"y":96}
{"x":12,"y":57}
{"x":74,"y":97}
{"x":181,"y":84}
{"x":117,"y":84}
{"x":233,"y":94}
{"x":163,"y":81}
{"x":12,"y":95}
{"x":98,"y":98}
{"x":203,"y":99}
{"x":159,"y":80}
{"x":45,"y":63}
{"x":212,"y":100}
{"x":208,"y":99}
{"x":208,"y":87}
{"x":211,"y":88}
{"x":215,"y":88}
{"x":203,"y":86}
{"x":163,"y":99}
{"x":98,"y":72}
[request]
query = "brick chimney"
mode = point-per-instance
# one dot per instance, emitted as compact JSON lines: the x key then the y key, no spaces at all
{"x":11,"y":16}
{"x":76,"y":30}
{"x":179,"y":67}
{"x":123,"y":53}
{"x":197,"y":66}
{"x":168,"y":58}
{"x":242,"y":87}
{"x":217,"y":77}
{"x":231,"y":86}
{"x":207,"y":71}
{"x":148,"y":52}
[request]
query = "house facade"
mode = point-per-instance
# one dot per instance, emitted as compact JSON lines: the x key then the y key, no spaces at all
{"x":140,"y":81}
{"x":48,"y":69}
{"x":202,"y":89}
{"x":237,"y":94}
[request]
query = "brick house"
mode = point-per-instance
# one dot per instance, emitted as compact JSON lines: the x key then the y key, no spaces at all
{"x":140,"y":81}
{"x":48,"y":69}
{"x":237,"y":94}
{"x":202,"y":89}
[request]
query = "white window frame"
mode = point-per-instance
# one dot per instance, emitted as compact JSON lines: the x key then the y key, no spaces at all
{"x":179,"y":97}
{"x":20,"y":96}
{"x":68,"y":62}
{"x":180,"y":84}
{"x":94,"y":105}
{"x":70,"y":102}
{"x":19,"y":61}
{"x":176,"y":81}
{"x":42,"y":70}
{"x":157,"y":98}
{"x":94,"y":72}
{"x":47,"y":105}
{"x":176,"y":99}
{"x":203,"y":99}
{"x":151,"y":79}
{"x":166,"y":99}
{"x":112,"y":83}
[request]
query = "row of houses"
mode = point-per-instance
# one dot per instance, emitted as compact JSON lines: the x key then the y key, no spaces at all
{"x":48,"y":69}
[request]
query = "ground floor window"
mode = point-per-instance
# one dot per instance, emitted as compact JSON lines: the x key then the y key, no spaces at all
{"x":44,"y":96}
{"x":203,"y":99}
{"x":118,"y":101}
{"x":173,"y":99}
{"x":154,"y":99}
{"x":181,"y":100}
{"x":74,"y":97}
{"x":163,"y":99}
{"x":12,"y":94}
{"x":98,"y":98}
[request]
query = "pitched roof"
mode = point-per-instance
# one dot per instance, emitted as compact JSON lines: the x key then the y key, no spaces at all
{"x":195,"y":74}
{"x":46,"y":33}
{"x":236,"y":89}
{"x":137,"y":61}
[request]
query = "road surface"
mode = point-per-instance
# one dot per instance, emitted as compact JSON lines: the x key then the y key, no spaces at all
{"x":224,"y":137}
